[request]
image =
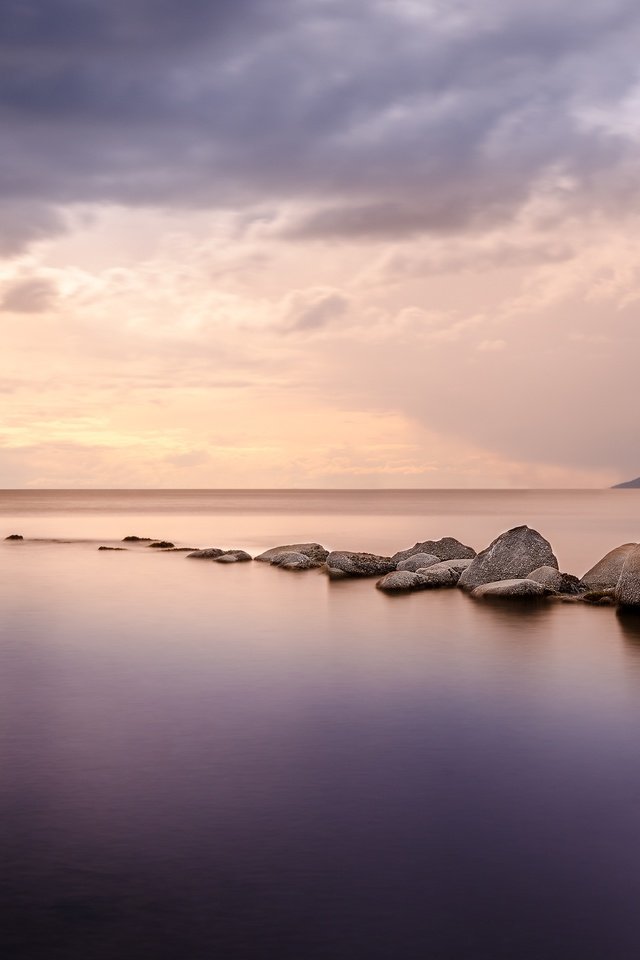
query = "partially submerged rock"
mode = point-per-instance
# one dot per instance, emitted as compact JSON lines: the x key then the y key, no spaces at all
{"x":511,"y":556}
{"x":14,"y":536}
{"x":210,"y":553}
{"x":343,"y":563}
{"x":315,"y":551}
{"x":516,"y":588}
{"x":447,"y":548}
{"x":628,"y":586}
{"x":443,"y":574}
{"x":606,"y":572}
{"x":418,"y":560}
{"x":112,"y":548}
{"x":292,"y":560}
{"x":137,"y":539}
{"x":599,"y":598}
{"x":556,"y":581}
{"x":162,"y":544}
{"x":233,"y":556}
{"x":399,"y":581}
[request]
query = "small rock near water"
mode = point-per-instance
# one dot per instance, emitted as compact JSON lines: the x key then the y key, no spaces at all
{"x":606,"y":572}
{"x":137,"y":539}
{"x":162,"y":544}
{"x":443,"y":574}
{"x":233,"y":556}
{"x":511,"y":556}
{"x":343,"y":563}
{"x":14,"y":536}
{"x":399,"y":581}
{"x":112,"y":548}
{"x":418,"y":560}
{"x":628,"y":586}
{"x":556,"y":581}
{"x":315,"y":551}
{"x":210,"y":553}
{"x":292,"y":560}
{"x":518,"y":588}
{"x":448,"y":548}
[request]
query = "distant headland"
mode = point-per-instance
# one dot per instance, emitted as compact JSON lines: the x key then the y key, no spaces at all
{"x":628,"y":485}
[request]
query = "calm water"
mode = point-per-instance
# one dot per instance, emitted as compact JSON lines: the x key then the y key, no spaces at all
{"x":221,"y":762}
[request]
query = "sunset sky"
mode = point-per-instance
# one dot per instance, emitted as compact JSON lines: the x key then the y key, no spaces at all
{"x":342,"y":243}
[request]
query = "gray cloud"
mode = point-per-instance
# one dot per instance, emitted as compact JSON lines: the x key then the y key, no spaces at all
{"x":31,"y":295}
{"x":378,"y":119}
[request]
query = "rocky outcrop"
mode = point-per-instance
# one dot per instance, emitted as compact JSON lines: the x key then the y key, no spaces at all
{"x":343,"y":563}
{"x":233,"y":556}
{"x":556,"y":581}
{"x":14,"y":536}
{"x":628,"y":586}
{"x":606,"y":572}
{"x":448,"y":548}
{"x":504,"y":589}
{"x":399,"y":581}
{"x":416,"y":561}
{"x":162,"y":545}
{"x":314,"y":551}
{"x":443,"y":574}
{"x":513,"y":555}
{"x":628,"y":485}
{"x":292,"y":560}
{"x":210,"y":553}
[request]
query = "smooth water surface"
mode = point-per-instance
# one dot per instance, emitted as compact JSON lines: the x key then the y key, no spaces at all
{"x":208,"y":761}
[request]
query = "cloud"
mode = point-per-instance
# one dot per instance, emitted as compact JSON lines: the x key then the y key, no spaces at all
{"x":31,"y":295}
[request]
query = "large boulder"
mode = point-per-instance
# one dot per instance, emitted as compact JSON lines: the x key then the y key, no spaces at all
{"x":294,"y":561}
{"x":556,"y":581}
{"x":400,"y":581}
{"x":343,"y":563}
{"x":443,"y":574}
{"x":504,"y":589}
{"x":512,"y":555}
{"x":416,"y":561}
{"x":628,"y":586}
{"x":448,"y":548}
{"x":315,"y":551}
{"x":606,"y":572}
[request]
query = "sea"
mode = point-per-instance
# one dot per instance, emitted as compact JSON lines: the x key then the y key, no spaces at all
{"x":234,"y":762}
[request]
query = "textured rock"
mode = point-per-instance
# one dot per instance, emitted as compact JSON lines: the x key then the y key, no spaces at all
{"x":233,"y":556}
{"x":628,"y":587}
{"x":606,"y":572}
{"x":504,"y":589}
{"x":210,"y":553}
{"x":343,"y":563}
{"x":556,"y":581}
{"x":14,"y":536}
{"x":294,"y":561}
{"x":599,"y":597}
{"x":416,"y":561}
{"x":512,"y":555}
{"x":162,"y":544}
{"x":315,"y":551}
{"x":399,"y":581}
{"x":443,"y":574}
{"x":448,"y":548}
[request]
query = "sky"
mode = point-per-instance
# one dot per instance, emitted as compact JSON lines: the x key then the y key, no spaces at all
{"x":319,"y":243}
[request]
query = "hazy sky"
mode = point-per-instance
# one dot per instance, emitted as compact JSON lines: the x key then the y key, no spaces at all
{"x":319,"y":242}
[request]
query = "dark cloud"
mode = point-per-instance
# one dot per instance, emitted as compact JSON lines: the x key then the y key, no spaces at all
{"x":31,"y":295}
{"x":378,"y":118}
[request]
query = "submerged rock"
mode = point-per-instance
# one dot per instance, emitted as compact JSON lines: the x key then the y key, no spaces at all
{"x":137,"y":539}
{"x":556,"y":581}
{"x":292,"y":560}
{"x":233,"y":556}
{"x":518,"y":588}
{"x":162,"y":544}
{"x":599,"y":597}
{"x":628,"y":586}
{"x":512,"y":555}
{"x":112,"y":548}
{"x":606,"y":572}
{"x":448,"y":548}
{"x":14,"y":536}
{"x":314,"y":551}
{"x":443,"y":574}
{"x":210,"y":553}
{"x":343,"y":563}
{"x":418,"y":560}
{"x":400,"y":581}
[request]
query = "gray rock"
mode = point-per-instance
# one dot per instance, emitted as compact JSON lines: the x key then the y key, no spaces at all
{"x":628,"y":586}
{"x":556,"y":581}
{"x":504,"y":589}
{"x":294,"y":561}
{"x":315,"y":551}
{"x":343,"y":563}
{"x":211,"y":553}
{"x":416,"y":561}
{"x":399,"y":581}
{"x":443,"y":574}
{"x":448,"y":548}
{"x":512,"y":555}
{"x":606,"y":573}
{"x":233,"y":556}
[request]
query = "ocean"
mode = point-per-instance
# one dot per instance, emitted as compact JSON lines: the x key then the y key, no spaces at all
{"x":238,"y":762}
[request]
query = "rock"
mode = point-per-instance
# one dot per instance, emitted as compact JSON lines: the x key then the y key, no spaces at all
{"x":443,"y":574}
{"x":417,"y":560}
{"x":162,"y":544}
{"x":556,"y":581}
{"x":627,"y":485}
{"x":137,"y":539}
{"x":512,"y":555}
{"x":233,"y":556}
{"x":343,"y":563}
{"x":628,"y":587}
{"x":448,"y":548}
{"x":606,"y":573}
{"x":315,"y":551}
{"x":399,"y":581}
{"x":211,"y":553}
{"x":600,"y":597}
{"x":504,"y":589}
{"x":112,"y":548}
{"x":14,"y":536}
{"x":294,"y":561}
